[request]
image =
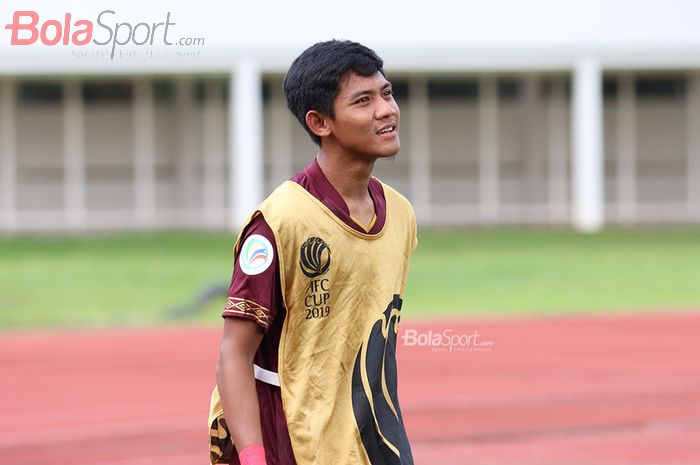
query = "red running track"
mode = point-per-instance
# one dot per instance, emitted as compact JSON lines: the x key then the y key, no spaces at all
{"x":560,"y":391}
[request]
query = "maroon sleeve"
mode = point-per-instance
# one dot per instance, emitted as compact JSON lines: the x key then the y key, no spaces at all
{"x":254,"y":292}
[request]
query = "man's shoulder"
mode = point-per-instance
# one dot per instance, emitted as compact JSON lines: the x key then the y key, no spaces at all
{"x":286,"y":202}
{"x":394,"y":196}
{"x":286,"y":193}
{"x":276,"y":203}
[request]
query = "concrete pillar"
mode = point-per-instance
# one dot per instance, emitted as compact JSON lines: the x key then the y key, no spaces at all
{"x":245,"y":151}
{"x":587,"y":145}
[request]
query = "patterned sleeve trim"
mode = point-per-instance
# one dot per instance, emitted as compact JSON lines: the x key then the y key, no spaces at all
{"x":236,"y":306}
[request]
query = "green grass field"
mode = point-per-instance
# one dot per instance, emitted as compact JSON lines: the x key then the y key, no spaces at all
{"x":134,"y":279}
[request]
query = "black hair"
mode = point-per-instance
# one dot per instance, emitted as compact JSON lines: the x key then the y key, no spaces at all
{"x":312,"y":80}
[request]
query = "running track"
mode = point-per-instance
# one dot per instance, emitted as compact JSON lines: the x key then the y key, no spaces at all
{"x":560,"y":391}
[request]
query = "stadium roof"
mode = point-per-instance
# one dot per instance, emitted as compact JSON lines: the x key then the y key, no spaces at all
{"x":439,"y":35}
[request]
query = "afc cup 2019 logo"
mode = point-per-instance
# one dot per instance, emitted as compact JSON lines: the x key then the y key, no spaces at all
{"x":315,"y":257}
{"x":256,"y":255}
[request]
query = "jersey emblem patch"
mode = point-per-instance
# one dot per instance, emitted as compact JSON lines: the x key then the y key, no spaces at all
{"x":256,"y":255}
{"x":315,"y":257}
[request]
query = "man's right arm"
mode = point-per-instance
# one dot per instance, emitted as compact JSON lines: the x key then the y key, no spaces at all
{"x":250,"y":309}
{"x":236,"y":382}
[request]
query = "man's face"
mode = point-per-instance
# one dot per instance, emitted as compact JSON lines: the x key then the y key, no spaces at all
{"x":366,"y":122}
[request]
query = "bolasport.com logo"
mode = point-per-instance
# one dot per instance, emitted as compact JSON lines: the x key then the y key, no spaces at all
{"x":446,"y":341}
{"x":114,"y":36}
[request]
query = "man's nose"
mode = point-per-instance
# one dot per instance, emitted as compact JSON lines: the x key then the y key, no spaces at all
{"x":387,"y":108}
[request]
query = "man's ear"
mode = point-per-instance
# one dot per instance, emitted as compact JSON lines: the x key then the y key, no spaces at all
{"x":318,"y":123}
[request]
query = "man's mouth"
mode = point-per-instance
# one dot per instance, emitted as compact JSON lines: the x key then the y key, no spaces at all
{"x":387,"y":129}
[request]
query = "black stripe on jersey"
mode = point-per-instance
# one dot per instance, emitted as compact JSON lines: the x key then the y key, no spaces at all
{"x":380,"y":352}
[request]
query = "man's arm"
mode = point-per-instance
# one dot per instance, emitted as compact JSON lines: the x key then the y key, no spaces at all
{"x":236,"y":382}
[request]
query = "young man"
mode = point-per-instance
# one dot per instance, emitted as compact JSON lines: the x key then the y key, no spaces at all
{"x":307,"y":369}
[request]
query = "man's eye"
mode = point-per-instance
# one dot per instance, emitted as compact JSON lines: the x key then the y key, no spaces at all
{"x":388,"y":92}
{"x":362,"y":100}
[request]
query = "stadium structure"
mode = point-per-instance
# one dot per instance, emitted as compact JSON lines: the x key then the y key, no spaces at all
{"x":568,"y":126}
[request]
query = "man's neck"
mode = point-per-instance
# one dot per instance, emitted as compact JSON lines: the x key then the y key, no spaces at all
{"x":349,"y":177}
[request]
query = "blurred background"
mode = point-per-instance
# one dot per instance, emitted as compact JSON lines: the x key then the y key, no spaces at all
{"x":568,"y":114}
{"x":551,"y":151}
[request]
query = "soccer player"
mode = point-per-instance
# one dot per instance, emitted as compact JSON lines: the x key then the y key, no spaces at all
{"x":307,"y":369}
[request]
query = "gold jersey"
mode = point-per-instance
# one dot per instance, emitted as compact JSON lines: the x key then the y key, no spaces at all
{"x":342,"y":291}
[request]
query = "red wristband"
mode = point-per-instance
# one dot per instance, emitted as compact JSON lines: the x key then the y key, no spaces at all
{"x":252,"y":455}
